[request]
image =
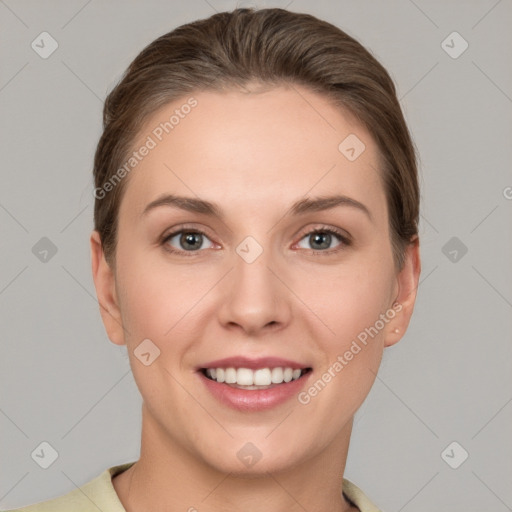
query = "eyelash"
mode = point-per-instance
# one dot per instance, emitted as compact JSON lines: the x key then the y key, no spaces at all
{"x":345,"y":241}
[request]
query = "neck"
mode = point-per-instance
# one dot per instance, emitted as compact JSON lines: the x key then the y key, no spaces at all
{"x":169,"y":477}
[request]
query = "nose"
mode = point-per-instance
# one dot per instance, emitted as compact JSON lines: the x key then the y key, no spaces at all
{"x":255,"y":298}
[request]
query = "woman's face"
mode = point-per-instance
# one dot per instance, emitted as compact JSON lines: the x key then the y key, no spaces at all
{"x":253,"y":281}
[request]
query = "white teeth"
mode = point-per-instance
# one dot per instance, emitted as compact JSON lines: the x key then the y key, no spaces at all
{"x":244,"y":377}
{"x":248,"y":377}
{"x":262,"y":377}
{"x":230,"y":376}
{"x":277,"y":375}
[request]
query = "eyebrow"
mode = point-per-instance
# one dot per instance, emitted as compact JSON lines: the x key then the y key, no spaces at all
{"x":300,"y":207}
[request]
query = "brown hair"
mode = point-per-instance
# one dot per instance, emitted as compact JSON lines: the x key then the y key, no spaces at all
{"x":268,"y":46}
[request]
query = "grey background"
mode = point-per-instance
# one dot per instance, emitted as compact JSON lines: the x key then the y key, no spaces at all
{"x":450,"y":377}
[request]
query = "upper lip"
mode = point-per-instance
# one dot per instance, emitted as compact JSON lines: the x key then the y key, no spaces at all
{"x":253,"y":364}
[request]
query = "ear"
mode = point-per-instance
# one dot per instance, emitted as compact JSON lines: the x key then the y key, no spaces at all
{"x":406,"y":286}
{"x":104,"y":282}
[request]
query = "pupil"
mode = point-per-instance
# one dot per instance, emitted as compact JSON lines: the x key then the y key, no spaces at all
{"x":191,"y":238}
{"x":325,"y":236}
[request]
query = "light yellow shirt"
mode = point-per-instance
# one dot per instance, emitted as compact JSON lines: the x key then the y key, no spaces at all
{"x":99,"y":494}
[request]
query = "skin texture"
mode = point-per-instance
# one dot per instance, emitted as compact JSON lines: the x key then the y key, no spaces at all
{"x":254,"y":154}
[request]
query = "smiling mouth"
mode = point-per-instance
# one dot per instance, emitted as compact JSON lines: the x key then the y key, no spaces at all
{"x":245,"y":378}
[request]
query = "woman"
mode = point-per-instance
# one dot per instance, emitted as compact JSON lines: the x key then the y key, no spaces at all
{"x":256,"y":248}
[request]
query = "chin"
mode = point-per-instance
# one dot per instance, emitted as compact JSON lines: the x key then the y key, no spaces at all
{"x":252,"y":459}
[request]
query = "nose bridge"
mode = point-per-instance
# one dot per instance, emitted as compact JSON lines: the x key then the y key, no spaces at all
{"x":251,"y":273}
{"x":254,"y":297}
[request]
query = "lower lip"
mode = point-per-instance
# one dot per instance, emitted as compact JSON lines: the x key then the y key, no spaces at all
{"x":254,"y":399}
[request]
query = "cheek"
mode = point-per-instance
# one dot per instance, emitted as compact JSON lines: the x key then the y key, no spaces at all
{"x":360,"y":302}
{"x":158,"y":299}
{"x":351,"y":305}
{"x":349,"y":298}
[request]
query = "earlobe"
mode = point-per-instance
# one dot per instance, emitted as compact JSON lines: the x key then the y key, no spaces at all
{"x":104,"y":282}
{"x":407,"y":283}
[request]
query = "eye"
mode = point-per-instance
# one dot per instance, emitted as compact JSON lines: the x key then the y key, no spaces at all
{"x":321,"y":239}
{"x":188,"y":240}
{"x":191,"y":241}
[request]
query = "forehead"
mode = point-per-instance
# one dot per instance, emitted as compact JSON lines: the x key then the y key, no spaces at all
{"x":254,"y":150}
